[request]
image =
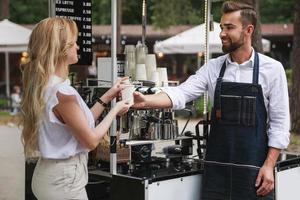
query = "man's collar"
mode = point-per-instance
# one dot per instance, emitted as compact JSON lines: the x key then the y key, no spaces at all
{"x":229,"y":61}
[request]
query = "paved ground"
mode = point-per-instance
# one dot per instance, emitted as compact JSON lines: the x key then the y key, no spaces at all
{"x":12,"y":168}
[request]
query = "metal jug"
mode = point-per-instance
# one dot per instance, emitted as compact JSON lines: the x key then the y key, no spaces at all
{"x":137,"y":127}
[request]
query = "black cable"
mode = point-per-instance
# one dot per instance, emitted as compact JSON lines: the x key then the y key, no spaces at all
{"x":185,"y":126}
{"x":190,"y":115}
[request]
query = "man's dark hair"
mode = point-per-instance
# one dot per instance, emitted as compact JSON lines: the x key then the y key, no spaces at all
{"x":248,"y":14}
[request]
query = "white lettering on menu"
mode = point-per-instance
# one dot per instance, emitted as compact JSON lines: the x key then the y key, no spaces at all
{"x":88,"y":4}
{"x":67,"y":3}
{"x":68,"y":10}
{"x":75,"y":18}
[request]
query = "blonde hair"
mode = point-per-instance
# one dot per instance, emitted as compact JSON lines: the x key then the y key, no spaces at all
{"x":49,"y":42}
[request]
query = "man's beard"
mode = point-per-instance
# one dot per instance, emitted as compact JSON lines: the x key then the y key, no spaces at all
{"x":234,"y":45}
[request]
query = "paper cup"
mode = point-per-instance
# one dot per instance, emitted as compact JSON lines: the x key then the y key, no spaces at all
{"x":140,"y":73}
{"x":150,"y":65}
{"x":127,"y":93}
{"x":163,"y":76}
{"x":155,"y":78}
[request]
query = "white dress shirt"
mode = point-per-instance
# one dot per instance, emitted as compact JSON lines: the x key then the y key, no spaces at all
{"x":56,"y":141}
{"x":272,"y":79}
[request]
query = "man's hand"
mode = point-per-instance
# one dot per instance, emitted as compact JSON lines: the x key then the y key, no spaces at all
{"x":139,"y":100}
{"x":264,"y":180}
{"x":159,"y":100}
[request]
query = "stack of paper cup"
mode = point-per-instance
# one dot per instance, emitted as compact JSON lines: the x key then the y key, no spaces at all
{"x":155,"y":78}
{"x":150,"y":65}
{"x":130,"y":61}
{"x":127,"y":93}
{"x":140,"y":51}
{"x":140,"y":73}
{"x":163,"y":76}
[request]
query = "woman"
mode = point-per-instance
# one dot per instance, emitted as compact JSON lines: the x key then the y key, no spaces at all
{"x":56,"y":121}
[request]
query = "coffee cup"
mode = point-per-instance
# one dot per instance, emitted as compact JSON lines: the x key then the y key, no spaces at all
{"x":155,"y":78}
{"x":127,"y":93}
{"x":150,"y":65}
{"x":163,"y":76}
{"x":141,"y":73}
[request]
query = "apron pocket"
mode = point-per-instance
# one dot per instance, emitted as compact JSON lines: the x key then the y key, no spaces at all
{"x":231,"y":109}
{"x":249,"y":110}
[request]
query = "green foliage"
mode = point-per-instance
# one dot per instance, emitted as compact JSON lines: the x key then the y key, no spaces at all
{"x":288,"y":73}
{"x":277,"y":11}
{"x":216,"y":11}
{"x":167,"y":13}
{"x":199,"y":105}
{"x":4,"y":113}
{"x":131,"y":11}
{"x":28,"y":11}
{"x":101,"y":11}
{"x":3,"y":102}
{"x":161,"y":13}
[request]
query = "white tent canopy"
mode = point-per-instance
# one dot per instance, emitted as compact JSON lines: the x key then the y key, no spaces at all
{"x":13,"y":38}
{"x":193,"y":41}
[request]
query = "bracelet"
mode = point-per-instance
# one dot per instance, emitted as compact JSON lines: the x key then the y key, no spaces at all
{"x":102,"y":103}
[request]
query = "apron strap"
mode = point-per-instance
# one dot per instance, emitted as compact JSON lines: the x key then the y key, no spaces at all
{"x":217,"y":95}
{"x":222,"y":71}
{"x":255,"y":69}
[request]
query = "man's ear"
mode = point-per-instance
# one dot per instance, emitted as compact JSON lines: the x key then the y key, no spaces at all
{"x":250,"y":29}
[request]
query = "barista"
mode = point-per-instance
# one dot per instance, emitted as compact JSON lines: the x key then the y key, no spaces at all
{"x":250,"y":117}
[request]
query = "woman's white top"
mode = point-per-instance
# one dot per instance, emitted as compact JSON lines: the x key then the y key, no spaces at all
{"x":56,"y":141}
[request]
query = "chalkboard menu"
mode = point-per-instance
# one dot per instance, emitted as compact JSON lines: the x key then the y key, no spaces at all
{"x":81,"y":12}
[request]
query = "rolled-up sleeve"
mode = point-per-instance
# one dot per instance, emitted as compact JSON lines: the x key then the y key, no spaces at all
{"x":279,"y":115}
{"x":189,"y":90}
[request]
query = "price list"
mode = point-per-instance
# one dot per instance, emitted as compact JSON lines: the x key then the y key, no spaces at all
{"x":81,"y":12}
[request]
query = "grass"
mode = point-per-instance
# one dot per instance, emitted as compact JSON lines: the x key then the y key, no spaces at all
{"x":294,"y":145}
{"x":6,"y":118}
{"x":3,"y":102}
{"x":4,"y":113}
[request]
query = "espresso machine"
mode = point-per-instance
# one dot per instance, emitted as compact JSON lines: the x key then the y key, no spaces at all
{"x":169,"y":173}
{"x":150,"y":124}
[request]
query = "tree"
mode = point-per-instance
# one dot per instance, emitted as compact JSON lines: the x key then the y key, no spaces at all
{"x":131,"y":11}
{"x":276,"y":11}
{"x":161,"y":13}
{"x":4,"y":9}
{"x":295,"y":94}
{"x":28,"y":11}
{"x":101,"y":11}
{"x":175,"y":12}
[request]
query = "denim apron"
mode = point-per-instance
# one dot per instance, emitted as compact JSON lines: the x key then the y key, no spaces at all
{"x":238,"y":144}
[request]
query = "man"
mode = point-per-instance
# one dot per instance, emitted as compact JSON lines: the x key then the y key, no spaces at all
{"x":250,"y":117}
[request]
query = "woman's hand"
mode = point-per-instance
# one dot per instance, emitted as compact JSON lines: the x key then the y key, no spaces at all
{"x":119,"y":85}
{"x":122,"y":107}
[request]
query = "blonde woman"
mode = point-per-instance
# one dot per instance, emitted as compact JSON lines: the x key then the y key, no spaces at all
{"x":56,"y":121}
